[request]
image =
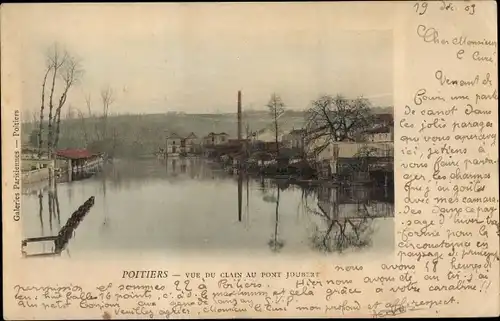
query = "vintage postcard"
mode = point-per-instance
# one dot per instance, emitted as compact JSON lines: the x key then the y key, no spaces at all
{"x":205,"y":160}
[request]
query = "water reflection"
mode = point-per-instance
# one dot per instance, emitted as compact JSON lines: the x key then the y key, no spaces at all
{"x":40,"y":211}
{"x":106,"y":221}
{"x":191,"y":204}
{"x":275,"y":244}
{"x":54,"y":212}
{"x":240,"y":195}
{"x":58,"y":237}
{"x":349,"y":214}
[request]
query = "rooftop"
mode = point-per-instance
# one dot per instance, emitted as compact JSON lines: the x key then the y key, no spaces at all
{"x":216,"y":134}
{"x":173,"y":136}
{"x":297,"y":131}
{"x":75,"y":153}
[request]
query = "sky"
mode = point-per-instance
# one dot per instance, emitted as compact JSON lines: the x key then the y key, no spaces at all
{"x":194,"y":58}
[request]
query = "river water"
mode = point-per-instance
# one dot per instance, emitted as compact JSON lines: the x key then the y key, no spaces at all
{"x":183,"y":205}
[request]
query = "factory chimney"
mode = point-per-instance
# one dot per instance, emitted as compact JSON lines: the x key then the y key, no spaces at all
{"x":239,"y":116}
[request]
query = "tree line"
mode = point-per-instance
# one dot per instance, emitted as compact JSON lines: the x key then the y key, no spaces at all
{"x":328,"y":119}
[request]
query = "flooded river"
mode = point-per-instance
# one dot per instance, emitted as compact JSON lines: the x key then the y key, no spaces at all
{"x":183,"y":205}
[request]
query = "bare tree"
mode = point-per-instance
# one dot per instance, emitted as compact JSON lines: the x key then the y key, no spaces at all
{"x":34,"y":134}
{"x":35,"y":118}
{"x":88,"y":103}
{"x":60,"y":65}
{"x":70,"y":113}
{"x":42,"y":107}
{"x":334,"y":119}
{"x":56,"y":60}
{"x":107,"y":99}
{"x":81,"y":116}
{"x":277,"y":109}
{"x":71,"y":72}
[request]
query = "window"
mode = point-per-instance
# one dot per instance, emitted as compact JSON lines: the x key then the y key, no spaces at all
{"x":174,"y":149}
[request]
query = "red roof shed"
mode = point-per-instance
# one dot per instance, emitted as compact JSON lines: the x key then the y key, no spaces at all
{"x":75,"y":153}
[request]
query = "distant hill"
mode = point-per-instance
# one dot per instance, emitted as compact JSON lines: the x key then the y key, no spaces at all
{"x":144,"y":134}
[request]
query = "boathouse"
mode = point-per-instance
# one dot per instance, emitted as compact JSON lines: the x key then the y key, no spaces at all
{"x":78,"y":163}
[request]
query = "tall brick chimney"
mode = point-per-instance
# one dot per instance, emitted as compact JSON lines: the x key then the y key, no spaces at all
{"x":239,"y":115}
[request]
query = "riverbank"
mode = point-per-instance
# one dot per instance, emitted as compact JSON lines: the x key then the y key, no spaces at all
{"x":34,"y":176}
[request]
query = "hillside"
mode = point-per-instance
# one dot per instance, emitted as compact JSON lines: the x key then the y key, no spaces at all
{"x":144,"y":134}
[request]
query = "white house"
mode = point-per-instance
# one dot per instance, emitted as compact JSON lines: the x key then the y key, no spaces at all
{"x":334,"y":151}
{"x":189,"y":144}
{"x":173,"y":145}
{"x":295,"y":139}
{"x":267,"y":135}
{"x":380,"y":134}
{"x":215,"y":139}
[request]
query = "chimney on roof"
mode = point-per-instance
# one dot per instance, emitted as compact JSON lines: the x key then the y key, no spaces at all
{"x":239,"y":115}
